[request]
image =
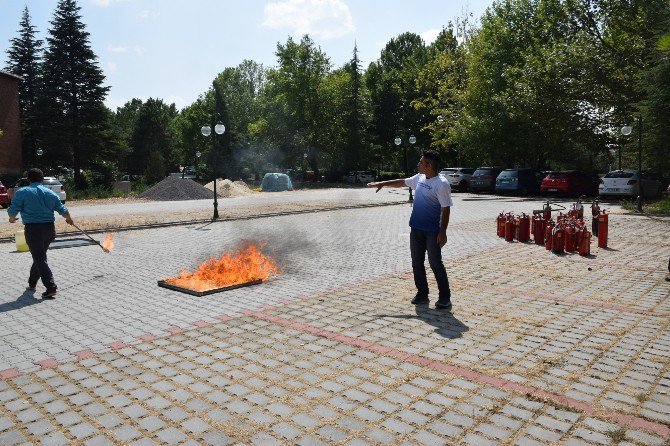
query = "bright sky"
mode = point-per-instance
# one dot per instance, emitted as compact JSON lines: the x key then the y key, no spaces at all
{"x":173,"y":49}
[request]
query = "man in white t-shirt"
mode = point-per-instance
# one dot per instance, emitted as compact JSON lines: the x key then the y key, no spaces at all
{"x":428,"y":223}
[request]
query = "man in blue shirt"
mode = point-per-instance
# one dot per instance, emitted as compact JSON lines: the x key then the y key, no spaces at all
{"x":37,"y":204}
{"x":428,"y":223}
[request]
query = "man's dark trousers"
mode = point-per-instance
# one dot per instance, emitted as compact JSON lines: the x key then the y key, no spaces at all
{"x":421,"y":242}
{"x":38,"y":237}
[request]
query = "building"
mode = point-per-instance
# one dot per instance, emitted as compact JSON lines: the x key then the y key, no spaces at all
{"x":10,"y":124}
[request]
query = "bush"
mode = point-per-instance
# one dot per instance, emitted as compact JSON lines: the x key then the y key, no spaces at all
{"x":383,"y":176}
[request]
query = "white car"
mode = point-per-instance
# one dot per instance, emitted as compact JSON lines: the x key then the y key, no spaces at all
{"x":626,"y":182}
{"x":49,"y":182}
{"x":458,"y":177}
{"x":360,"y":176}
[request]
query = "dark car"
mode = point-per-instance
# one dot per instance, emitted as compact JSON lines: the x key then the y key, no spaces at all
{"x":484,"y":179}
{"x":4,"y":196}
{"x":569,"y":183}
{"x":519,"y":181}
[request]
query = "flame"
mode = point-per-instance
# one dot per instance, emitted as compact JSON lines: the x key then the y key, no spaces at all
{"x":247,"y":264}
{"x":107,"y":242}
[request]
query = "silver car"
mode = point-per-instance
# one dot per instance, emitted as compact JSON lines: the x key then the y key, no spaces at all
{"x":626,"y":183}
{"x":49,"y":182}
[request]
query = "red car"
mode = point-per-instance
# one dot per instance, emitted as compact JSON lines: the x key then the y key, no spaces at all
{"x":569,"y":182}
{"x":4,"y":196}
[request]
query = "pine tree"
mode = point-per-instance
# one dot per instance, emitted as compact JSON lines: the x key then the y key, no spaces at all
{"x":23,"y":59}
{"x":353,"y":120}
{"x":72,"y":94}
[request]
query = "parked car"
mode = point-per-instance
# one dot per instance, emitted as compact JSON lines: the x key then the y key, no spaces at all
{"x":484,"y":179}
{"x":626,"y":183}
{"x":569,"y":182}
{"x":519,"y":181}
{"x":458,"y":177}
{"x":49,"y":182}
{"x":4,"y":196}
{"x":360,"y":176}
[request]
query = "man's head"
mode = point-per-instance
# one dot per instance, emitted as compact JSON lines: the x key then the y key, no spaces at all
{"x":429,"y":163}
{"x":35,"y":175}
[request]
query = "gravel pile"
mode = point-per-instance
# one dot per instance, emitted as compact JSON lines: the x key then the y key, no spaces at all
{"x":228,"y":189}
{"x":176,"y":189}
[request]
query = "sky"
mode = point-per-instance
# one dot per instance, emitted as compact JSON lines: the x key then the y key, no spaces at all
{"x":173,"y":49}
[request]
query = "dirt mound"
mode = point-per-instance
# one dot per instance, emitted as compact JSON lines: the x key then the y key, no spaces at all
{"x":176,"y":189}
{"x":229,"y":189}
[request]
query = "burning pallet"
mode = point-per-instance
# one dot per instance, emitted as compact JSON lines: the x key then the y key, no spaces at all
{"x":244,"y":267}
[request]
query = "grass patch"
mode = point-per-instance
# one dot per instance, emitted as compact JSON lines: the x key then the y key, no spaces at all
{"x":658,"y":207}
{"x":617,"y":436}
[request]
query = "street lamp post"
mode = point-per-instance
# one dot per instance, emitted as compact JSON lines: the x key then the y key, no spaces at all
{"x":39,"y":153}
{"x":627,"y":130}
{"x":206,"y":130}
{"x":397,"y":142}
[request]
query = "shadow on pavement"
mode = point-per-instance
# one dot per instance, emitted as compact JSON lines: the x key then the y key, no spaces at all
{"x":25,"y":300}
{"x":446,"y":324}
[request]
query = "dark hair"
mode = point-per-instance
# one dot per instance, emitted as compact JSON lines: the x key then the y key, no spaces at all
{"x":433,"y":158}
{"x":35,"y":175}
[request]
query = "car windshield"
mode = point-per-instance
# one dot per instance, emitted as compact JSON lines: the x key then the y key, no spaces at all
{"x":509,"y":174}
{"x":619,"y":174}
{"x":483,"y":172}
{"x":448,"y":171}
{"x":51,"y":183}
{"x":556,"y":175}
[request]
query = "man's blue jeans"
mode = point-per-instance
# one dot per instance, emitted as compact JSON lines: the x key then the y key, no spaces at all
{"x":421,"y":242}
{"x":38,"y":237}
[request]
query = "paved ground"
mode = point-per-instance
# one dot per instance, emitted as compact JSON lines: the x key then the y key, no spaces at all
{"x":539,"y":348}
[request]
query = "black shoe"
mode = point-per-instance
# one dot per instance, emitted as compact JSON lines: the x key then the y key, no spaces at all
{"x":420,"y":299}
{"x":49,"y":294}
{"x":443,"y":305}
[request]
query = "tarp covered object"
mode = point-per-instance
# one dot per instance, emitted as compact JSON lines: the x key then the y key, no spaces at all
{"x":276,"y":182}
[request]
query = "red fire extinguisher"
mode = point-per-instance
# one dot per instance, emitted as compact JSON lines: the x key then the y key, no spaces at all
{"x":548,"y":234}
{"x":501,"y":225}
{"x":558,"y":242}
{"x":523,"y":234}
{"x":595,"y":211}
{"x":570,"y":233}
{"x":602,"y":230}
{"x":538,"y":233}
{"x":584,"y":242}
{"x":509,"y":228}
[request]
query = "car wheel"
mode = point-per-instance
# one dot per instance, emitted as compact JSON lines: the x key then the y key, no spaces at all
{"x":463,"y":186}
{"x":524,"y":191}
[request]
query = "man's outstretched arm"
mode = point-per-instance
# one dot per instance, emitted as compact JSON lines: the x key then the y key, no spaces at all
{"x":388,"y":183}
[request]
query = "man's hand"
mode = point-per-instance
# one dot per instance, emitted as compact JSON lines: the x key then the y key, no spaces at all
{"x":12,"y":219}
{"x":378,"y":185}
{"x":69,"y":221}
{"x":441,"y":239}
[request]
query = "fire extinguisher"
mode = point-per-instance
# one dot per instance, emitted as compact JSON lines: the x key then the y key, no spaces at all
{"x":584,"y":243}
{"x":538,"y":233}
{"x":548,"y":235}
{"x":602,"y":230}
{"x":524,"y":228}
{"x":501,"y":225}
{"x":509,"y":228}
{"x":595,"y":211}
{"x":570,"y":233}
{"x":558,"y":242}
{"x":546,"y":211}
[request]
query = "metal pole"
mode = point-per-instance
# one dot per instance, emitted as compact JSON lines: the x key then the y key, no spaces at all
{"x":639,"y":162}
{"x":216,"y":159}
{"x":619,"y":157}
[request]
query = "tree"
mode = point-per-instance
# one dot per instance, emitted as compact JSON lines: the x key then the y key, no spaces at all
{"x":71,"y":98}
{"x":23,"y":59}
{"x":153,"y":141}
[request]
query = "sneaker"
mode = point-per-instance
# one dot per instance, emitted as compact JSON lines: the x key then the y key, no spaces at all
{"x":443,"y":304}
{"x":49,"y":294}
{"x":420,"y":299}
{"x":31,"y":287}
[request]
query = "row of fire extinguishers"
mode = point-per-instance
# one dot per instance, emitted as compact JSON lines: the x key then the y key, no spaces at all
{"x":567,"y":234}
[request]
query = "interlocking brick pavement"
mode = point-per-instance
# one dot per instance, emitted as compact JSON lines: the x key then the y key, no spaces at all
{"x":539,"y":349}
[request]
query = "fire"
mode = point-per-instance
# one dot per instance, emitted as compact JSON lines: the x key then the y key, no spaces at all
{"x":107,"y":242}
{"x":247,"y":264}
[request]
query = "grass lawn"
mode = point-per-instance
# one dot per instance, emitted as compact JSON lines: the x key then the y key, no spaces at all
{"x":657,"y":207}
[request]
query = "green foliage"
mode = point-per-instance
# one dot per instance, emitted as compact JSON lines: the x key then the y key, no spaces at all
{"x":23,"y":59}
{"x":74,"y":125}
